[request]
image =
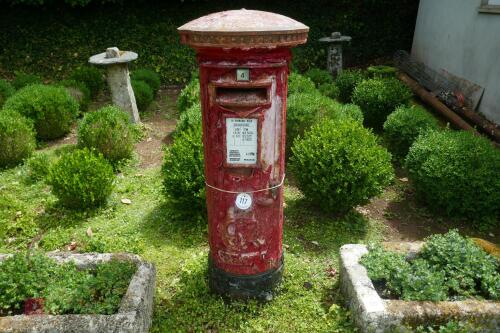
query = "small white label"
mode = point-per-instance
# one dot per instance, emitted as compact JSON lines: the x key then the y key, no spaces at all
{"x":242,"y":74}
{"x":241,"y":141}
{"x":243,"y":201}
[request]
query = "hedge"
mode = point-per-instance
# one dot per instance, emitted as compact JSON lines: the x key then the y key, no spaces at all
{"x":59,"y":36}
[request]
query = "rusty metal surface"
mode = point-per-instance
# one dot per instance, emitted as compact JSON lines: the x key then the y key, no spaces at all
{"x":243,"y":29}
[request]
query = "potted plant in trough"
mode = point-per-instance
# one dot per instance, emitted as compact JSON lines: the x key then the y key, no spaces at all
{"x":66,"y":292}
{"x":395,"y":286}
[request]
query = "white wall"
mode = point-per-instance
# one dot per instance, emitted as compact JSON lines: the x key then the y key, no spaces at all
{"x":453,"y":35}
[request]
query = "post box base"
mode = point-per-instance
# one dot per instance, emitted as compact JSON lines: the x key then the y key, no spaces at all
{"x":260,"y":286}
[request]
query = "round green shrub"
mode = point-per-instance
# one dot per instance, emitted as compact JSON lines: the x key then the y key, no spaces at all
{"x":304,"y":110}
{"x":24,"y":79}
{"x":319,"y":76}
{"x":109,"y":131}
{"x":404,"y":125}
{"x":189,"y":119}
{"x":338,"y":164}
{"x":79,"y":92}
{"x":329,"y":90}
{"x":346,"y":81}
{"x":457,"y":174}
{"x":17,"y":138}
{"x":6,"y":90}
{"x":299,"y":84}
{"x":81,"y":179}
{"x":39,"y":166}
{"x":183,"y":172}
{"x":382,"y":71}
{"x":378,"y":98}
{"x":189,"y":95}
{"x":91,"y":77}
{"x":148,"y":76}
{"x":349,"y":110}
{"x":143,"y":94}
{"x":52,"y":109}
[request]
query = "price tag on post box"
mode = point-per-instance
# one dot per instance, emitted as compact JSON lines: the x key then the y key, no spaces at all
{"x":241,"y":141}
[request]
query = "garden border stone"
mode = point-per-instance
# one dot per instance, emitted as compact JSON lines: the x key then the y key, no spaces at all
{"x":134,"y":315}
{"x":372,"y":314}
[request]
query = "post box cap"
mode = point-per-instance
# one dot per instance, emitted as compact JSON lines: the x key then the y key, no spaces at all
{"x":243,"y":29}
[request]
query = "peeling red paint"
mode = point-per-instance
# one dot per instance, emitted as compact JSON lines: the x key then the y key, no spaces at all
{"x":245,"y":242}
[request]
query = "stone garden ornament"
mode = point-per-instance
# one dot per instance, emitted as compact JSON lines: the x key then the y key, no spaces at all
{"x":118,"y":78}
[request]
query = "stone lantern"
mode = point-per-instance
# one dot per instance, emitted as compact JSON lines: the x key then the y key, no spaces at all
{"x":334,"y":60}
{"x":118,"y":78}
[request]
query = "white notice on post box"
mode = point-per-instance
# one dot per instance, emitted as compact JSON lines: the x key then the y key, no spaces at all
{"x":241,"y":141}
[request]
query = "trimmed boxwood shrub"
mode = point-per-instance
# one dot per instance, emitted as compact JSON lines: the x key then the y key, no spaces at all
{"x":90,"y":76}
{"x":109,"y":131}
{"x":6,"y":90}
{"x":457,"y":174}
{"x":329,"y":90}
{"x":24,"y":79}
{"x":17,"y":138}
{"x":52,"y":109}
{"x":38,"y":166}
{"x":143,"y":94}
{"x":349,"y":110}
{"x":151,"y":78}
{"x":299,"y":84}
{"x":338,"y":164}
{"x":382,"y":71}
{"x":183,"y":173}
{"x":189,"y":119}
{"x":189,"y":95}
{"x":319,"y":76}
{"x":79,"y":92}
{"x":346,"y":81}
{"x":378,"y":98}
{"x":82,"y":179}
{"x":404,"y":125}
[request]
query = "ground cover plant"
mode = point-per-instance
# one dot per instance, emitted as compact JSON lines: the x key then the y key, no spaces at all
{"x":51,"y":108}
{"x":458,"y":174}
{"x":449,"y":267}
{"x":64,"y":288}
{"x":66,"y":37}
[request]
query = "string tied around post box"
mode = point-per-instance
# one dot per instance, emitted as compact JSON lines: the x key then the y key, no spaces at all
{"x":254,"y":191}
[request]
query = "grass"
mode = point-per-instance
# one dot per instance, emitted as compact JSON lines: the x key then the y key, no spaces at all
{"x":308,"y":298}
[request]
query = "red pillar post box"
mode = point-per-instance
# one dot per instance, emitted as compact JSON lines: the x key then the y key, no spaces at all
{"x":243,"y":57}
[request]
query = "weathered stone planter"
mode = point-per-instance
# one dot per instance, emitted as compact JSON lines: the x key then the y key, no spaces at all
{"x":134,"y":315}
{"x":374,"y":314}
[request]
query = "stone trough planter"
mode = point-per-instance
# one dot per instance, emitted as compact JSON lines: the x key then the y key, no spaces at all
{"x":373,"y":314}
{"x":133,"y":316}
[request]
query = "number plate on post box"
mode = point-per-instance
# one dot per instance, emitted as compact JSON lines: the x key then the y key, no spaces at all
{"x":241,"y":141}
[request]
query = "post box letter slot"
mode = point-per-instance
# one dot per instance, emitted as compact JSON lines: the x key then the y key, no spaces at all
{"x":242,"y":96}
